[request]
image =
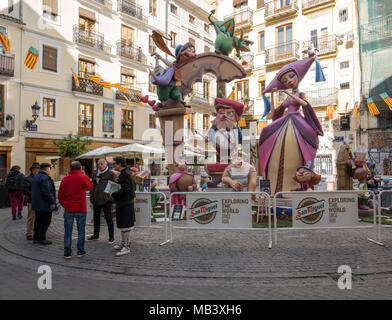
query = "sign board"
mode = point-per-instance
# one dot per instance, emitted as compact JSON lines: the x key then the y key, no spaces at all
{"x":219,"y":210}
{"x":33,"y":127}
{"x":327,"y":210}
{"x":143,"y":210}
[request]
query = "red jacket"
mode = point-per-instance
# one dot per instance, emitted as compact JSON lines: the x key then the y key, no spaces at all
{"x":72,"y":192}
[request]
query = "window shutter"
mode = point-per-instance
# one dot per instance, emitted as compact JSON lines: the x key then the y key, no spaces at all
{"x":87,"y":14}
{"x":49,"y":61}
{"x":54,"y":7}
{"x":127,"y":71}
{"x":237,"y":2}
{"x":260,"y":4}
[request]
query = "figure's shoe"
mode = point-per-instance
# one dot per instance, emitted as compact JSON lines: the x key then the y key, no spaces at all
{"x":123,"y":252}
{"x":144,"y":99}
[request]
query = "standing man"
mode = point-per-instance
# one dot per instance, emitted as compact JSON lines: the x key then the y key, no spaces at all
{"x":125,"y":211}
{"x":28,"y":180}
{"x":14,"y":184}
{"x":72,"y":196}
{"x":43,"y":197}
{"x":101,"y":200}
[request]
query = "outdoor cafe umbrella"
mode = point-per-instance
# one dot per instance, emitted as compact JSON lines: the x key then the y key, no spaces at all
{"x":96,"y":153}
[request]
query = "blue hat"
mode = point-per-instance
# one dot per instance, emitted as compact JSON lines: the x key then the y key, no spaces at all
{"x":385,"y":180}
{"x":308,"y":166}
{"x":178,"y":49}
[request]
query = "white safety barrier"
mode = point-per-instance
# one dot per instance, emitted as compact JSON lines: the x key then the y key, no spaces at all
{"x":145,"y":215}
{"x":308,"y":208}
{"x":203,"y":207}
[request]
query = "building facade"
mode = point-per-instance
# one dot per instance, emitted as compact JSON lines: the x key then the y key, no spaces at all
{"x":281,"y":30}
{"x":77,"y":38}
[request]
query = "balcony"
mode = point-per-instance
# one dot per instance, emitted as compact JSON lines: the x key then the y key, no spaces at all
{"x":249,"y":106}
{"x":377,"y":30}
{"x":87,"y":86}
{"x":242,"y":19}
{"x":130,"y":52}
{"x":133,"y":95}
{"x":7,"y":65}
{"x":91,"y":39}
{"x":201,"y":99}
{"x":130,"y":8}
{"x":7,"y":125}
{"x":282,"y":53}
{"x":324,"y":45}
{"x":322,"y":97}
{"x":313,"y":5}
{"x":280,"y":9}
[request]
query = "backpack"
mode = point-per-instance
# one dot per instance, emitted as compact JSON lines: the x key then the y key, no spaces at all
{"x":13,"y":182}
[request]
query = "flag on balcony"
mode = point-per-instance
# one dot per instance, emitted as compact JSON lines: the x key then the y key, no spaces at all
{"x":387,"y":99}
{"x":319,"y":71}
{"x":128,"y":102}
{"x":116,"y":85}
{"x":242,"y":122}
{"x":76,"y":79}
{"x":5,"y":43}
{"x":345,"y":109}
{"x":355,"y":110}
{"x":372,"y":107}
{"x":105,"y":84}
{"x":31,"y":58}
{"x":94,"y":78}
{"x":124,"y":89}
{"x":330,"y":110}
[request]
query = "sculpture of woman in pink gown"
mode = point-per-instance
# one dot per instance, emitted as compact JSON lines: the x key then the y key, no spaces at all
{"x":291,"y":140}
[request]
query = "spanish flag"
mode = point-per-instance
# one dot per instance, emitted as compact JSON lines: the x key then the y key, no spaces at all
{"x":116,"y":85}
{"x":330,"y":110}
{"x":31,"y":58}
{"x":5,"y":43}
{"x":372,"y":107}
{"x":76,"y":79}
{"x":94,"y":78}
{"x":128,"y":102}
{"x":387,"y":99}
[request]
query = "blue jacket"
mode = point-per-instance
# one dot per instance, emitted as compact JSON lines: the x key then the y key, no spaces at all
{"x":43,"y":192}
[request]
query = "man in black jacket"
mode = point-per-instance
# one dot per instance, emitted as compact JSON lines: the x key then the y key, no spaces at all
{"x":28,"y":180}
{"x":101,"y":200}
{"x":43,"y":196}
{"x":125,"y":211}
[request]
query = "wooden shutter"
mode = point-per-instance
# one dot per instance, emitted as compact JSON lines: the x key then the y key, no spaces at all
{"x":49,"y":61}
{"x":260,"y":4}
{"x":54,"y":6}
{"x":237,"y":2}
{"x":87,"y":14}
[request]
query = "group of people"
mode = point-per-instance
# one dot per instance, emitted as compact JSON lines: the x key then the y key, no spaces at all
{"x":40,"y":192}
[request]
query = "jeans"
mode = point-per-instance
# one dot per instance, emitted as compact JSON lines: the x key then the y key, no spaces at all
{"x":16,"y":199}
{"x":107,"y":209}
{"x":68,"y":225}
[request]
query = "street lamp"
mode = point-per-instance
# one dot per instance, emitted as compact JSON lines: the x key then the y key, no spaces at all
{"x":35,"y":110}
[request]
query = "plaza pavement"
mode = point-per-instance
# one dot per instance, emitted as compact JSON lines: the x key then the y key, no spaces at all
{"x":199,"y":264}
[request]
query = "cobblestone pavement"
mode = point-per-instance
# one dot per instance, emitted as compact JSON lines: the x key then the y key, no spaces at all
{"x":198,"y":264}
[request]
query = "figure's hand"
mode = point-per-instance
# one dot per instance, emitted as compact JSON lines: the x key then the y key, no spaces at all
{"x":236,"y":185}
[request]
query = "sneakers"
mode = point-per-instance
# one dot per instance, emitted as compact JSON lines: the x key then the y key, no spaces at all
{"x":93,"y":238}
{"x":81,"y":255}
{"x":67,"y":256}
{"x":123,"y":251}
{"x":20,"y":216}
{"x":117,"y":247}
{"x":44,"y":242}
{"x":29,"y":237}
{"x":111,"y":241}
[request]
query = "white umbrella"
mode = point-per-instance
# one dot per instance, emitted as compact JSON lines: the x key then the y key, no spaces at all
{"x":96,"y":153}
{"x":132,"y":149}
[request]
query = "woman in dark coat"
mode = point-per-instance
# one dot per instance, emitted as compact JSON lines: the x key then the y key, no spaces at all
{"x":124,"y":199}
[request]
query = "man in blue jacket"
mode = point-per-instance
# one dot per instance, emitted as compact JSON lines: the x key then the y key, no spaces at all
{"x":43,"y":196}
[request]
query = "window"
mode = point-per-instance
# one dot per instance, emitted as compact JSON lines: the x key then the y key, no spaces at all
{"x":127,"y":36}
{"x":49,"y":108}
{"x":260,"y":4}
{"x":343,"y":15}
{"x":173,"y":9}
{"x":151,"y":45}
{"x":49,"y":58}
{"x":206,"y":122}
{"x":206,"y":89}
{"x":241,"y":14}
{"x":242,"y":90}
{"x":261,"y":85}
{"x":344,"y":65}
{"x":284,"y":38}
{"x":261,"y":41}
{"x":345,"y":85}
{"x":86,"y":67}
{"x":323,"y":164}
{"x":86,"y":24}
{"x":86,"y":119}
{"x":127,"y":124}
{"x":153,"y":7}
{"x":173,"y":41}
{"x":50,"y":9}
{"x":2,"y":106}
{"x":152,"y":87}
{"x":206,"y":28}
{"x":10,"y":6}
{"x":192,"y":19}
{"x":127,"y":81}
{"x":152,"y":121}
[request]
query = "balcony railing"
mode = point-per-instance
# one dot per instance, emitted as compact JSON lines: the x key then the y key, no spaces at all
{"x":130,"y":52}
{"x":201,"y":99}
{"x":322,"y":97}
{"x":307,"y":4}
{"x":7,"y":65}
{"x":129,"y":8}
{"x":280,"y":8}
{"x":86,"y":124}
{"x":126,"y":130}
{"x":377,"y":30}
{"x":286,"y":51}
{"x":87,"y":86}
{"x":133,"y":95}
{"x":249,"y":106}
{"x":242,"y":18}
{"x":91,"y":39}
{"x":7,"y":125}
{"x":324,"y":45}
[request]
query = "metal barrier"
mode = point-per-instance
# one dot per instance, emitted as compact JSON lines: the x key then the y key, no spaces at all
{"x":165,"y":210}
{"x":232,"y":195}
{"x":313,"y":193}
